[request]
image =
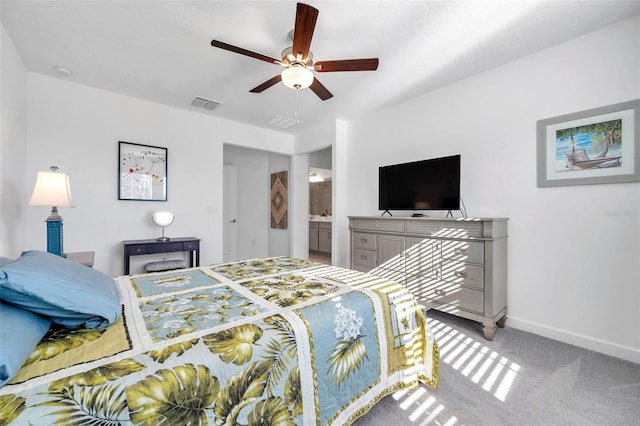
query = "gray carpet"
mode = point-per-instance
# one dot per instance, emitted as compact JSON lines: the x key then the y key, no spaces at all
{"x":517,"y":379}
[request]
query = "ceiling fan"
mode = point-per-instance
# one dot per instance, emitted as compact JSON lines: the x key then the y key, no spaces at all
{"x":298,"y":60}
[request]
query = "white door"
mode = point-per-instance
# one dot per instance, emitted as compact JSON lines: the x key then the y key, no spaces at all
{"x":229,"y":215}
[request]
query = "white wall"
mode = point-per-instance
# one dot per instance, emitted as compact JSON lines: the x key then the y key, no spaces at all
{"x":13,"y":149}
{"x":317,"y":138}
{"x":299,"y":207}
{"x":341,"y":194}
{"x":78,"y":128}
{"x":279,"y":239}
{"x":574,"y":251}
{"x":321,"y":159}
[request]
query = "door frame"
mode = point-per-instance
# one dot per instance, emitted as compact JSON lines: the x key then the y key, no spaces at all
{"x":230,"y":213}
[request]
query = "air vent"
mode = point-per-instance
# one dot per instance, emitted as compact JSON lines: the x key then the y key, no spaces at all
{"x":203,"y":103}
{"x":281,"y":122}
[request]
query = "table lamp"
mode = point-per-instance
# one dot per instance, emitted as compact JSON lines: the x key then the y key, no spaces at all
{"x":163,"y":218}
{"x":53,"y":190}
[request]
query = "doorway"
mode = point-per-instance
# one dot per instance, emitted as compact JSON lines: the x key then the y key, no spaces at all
{"x":320,"y":205}
{"x":254,"y":237}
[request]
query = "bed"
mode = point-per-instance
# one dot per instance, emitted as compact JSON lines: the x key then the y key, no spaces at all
{"x":264,"y":341}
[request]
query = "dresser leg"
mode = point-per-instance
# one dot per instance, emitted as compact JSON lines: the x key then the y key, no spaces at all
{"x":489,"y":328}
{"x":501,"y":321}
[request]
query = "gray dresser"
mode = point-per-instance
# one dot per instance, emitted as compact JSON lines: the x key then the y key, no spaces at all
{"x":456,"y":265}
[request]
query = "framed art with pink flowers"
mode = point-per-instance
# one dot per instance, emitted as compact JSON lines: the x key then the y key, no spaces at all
{"x":142,"y":172}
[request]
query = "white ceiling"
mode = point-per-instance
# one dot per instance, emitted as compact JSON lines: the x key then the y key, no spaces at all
{"x":160,"y":50}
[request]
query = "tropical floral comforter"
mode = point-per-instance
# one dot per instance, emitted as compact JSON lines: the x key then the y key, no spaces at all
{"x":268,"y":341}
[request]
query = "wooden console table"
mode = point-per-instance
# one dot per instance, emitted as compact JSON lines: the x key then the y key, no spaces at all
{"x":153,"y":246}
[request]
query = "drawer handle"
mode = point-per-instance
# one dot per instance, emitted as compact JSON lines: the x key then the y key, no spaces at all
{"x":138,"y":250}
{"x":363,"y":240}
{"x":461,"y":274}
{"x":441,"y":292}
{"x":462,"y":251}
{"x":363,"y":257}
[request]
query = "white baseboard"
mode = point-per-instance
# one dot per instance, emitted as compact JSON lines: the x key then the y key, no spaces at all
{"x":609,"y":348}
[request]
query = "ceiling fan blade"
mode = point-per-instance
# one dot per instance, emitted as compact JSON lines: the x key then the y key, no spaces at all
{"x":370,"y":64}
{"x":322,"y":92}
{"x":240,"y":50}
{"x":306,"y":17}
{"x":264,"y":86}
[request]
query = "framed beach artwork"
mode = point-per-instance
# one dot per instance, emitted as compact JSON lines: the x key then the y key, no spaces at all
{"x":600,"y":145}
{"x":142,"y":172}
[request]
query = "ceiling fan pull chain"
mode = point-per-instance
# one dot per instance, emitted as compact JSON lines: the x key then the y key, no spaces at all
{"x":295,"y":106}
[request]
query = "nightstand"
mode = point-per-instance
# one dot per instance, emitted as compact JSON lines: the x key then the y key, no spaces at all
{"x":83,"y":257}
{"x":154,"y":246}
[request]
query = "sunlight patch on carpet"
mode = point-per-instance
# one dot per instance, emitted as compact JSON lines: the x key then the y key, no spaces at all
{"x":487,"y":368}
{"x":483,"y":367}
{"x":423,"y":408}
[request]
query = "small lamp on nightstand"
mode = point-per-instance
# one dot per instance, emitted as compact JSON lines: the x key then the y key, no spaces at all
{"x":163,"y":218}
{"x":53,"y":190}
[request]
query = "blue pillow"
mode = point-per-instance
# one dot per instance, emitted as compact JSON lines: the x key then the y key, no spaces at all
{"x":20,"y":332}
{"x":68,"y":293}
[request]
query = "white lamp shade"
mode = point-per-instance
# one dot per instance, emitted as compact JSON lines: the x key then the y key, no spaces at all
{"x":163,"y":218}
{"x":52,"y":189}
{"x":297,"y":77}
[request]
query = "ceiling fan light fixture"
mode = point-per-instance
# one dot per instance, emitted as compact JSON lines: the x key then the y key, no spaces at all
{"x":313,"y":177}
{"x":297,"y":77}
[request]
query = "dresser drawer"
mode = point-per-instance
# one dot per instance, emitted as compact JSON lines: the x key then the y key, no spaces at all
{"x":470,"y":229}
{"x":464,"y":251}
{"x":463,"y":274}
{"x":165,"y":247}
{"x":390,"y":274}
{"x":191,"y":245}
{"x":364,"y":241}
{"x":364,"y":258}
{"x":383,"y":225}
{"x":422,"y":227}
{"x":464,"y":298}
{"x":360,"y":268}
{"x":138,"y":249}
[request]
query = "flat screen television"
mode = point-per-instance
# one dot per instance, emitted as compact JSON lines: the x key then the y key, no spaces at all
{"x":432,"y":184}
